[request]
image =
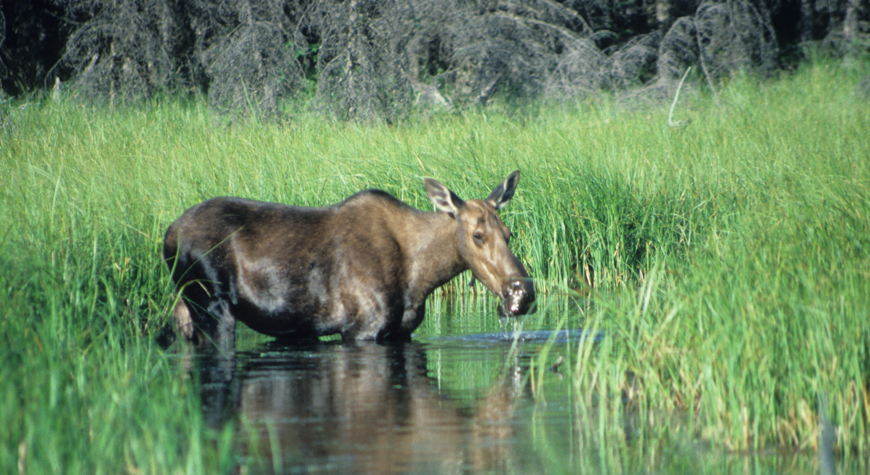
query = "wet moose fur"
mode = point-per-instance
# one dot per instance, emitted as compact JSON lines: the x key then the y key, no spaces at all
{"x":362,"y":268}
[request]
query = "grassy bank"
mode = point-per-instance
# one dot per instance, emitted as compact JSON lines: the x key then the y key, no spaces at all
{"x":728,"y":260}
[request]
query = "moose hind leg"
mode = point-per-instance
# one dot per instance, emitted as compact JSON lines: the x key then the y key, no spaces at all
{"x":223,"y":333}
{"x":182,"y":319}
{"x":212,"y":323}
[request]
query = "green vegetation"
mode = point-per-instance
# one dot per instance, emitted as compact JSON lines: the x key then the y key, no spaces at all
{"x":728,"y":261}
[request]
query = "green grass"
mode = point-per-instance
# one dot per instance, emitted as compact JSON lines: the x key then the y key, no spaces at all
{"x":728,"y":261}
{"x":763,"y":313}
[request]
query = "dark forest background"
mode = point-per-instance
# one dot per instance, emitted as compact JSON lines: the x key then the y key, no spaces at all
{"x":380,"y":59}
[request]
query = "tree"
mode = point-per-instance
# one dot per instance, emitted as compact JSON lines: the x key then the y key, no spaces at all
{"x":369,"y":59}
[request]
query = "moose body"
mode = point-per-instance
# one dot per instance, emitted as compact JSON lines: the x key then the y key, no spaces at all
{"x":362,"y":268}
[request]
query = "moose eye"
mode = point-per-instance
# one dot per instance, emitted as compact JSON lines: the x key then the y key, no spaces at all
{"x":478,"y":238}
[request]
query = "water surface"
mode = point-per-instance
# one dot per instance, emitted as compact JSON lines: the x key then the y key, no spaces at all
{"x":456,"y":399}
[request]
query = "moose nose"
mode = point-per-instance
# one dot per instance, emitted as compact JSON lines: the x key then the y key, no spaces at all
{"x":519,"y":295}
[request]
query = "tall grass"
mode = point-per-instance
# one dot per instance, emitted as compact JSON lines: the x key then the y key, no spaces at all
{"x":727,"y":260}
{"x":761,"y":314}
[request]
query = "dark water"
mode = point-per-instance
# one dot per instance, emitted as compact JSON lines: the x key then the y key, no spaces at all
{"x":448,"y":402}
{"x":370,"y":408}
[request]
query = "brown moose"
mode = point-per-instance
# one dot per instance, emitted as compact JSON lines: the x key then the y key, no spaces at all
{"x":362,"y":268}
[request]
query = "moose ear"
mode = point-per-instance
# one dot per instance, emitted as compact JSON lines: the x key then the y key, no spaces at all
{"x":502,"y":194}
{"x":443,"y":199}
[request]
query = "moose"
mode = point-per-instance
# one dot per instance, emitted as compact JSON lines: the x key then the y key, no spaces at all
{"x":362,"y":268}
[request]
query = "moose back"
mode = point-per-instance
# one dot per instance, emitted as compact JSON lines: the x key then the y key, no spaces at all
{"x":362,"y":268}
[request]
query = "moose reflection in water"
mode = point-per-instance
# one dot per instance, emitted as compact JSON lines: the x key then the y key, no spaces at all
{"x":365,"y":408}
{"x":362,"y":268}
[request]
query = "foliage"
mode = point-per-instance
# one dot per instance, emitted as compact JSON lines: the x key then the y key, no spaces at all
{"x":379,"y":59}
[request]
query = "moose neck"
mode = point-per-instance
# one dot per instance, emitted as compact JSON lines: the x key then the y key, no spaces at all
{"x":432,"y":251}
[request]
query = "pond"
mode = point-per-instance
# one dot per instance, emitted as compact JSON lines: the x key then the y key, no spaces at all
{"x":456,"y":399}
